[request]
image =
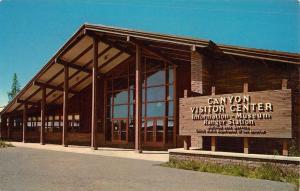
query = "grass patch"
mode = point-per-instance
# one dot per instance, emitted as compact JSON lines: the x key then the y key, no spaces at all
{"x":4,"y":144}
{"x":265,"y":171}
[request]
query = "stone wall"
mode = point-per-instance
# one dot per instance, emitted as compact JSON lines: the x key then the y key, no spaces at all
{"x":246,"y":161}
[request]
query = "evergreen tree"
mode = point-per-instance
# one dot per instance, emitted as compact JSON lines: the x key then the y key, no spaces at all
{"x":15,"y":88}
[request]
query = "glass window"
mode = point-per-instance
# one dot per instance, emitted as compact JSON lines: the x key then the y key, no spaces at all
{"x":121,"y":97}
{"x":156,"y":93}
{"x":149,"y":125}
{"x":171,"y":92}
{"x":143,"y":109}
{"x":120,"y":111}
{"x":156,"y":78}
{"x":171,"y":75}
{"x":170,"y":108}
{"x":160,"y":125}
{"x":155,"y":109}
{"x":170,"y":130}
{"x":76,"y":117}
{"x":131,"y":110}
{"x":131,"y":96}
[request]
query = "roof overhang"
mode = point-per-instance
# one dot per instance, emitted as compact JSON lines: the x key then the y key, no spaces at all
{"x":116,"y":45}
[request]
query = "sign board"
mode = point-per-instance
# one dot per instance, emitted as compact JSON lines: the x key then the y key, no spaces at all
{"x":253,"y":114}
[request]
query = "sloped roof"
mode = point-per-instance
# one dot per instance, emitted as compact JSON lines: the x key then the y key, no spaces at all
{"x":114,"y":48}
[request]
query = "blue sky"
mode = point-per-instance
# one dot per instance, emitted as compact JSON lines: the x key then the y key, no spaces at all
{"x":33,"y":30}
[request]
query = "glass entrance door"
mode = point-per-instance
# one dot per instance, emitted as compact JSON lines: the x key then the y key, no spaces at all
{"x":120,"y":131}
{"x":154,"y":132}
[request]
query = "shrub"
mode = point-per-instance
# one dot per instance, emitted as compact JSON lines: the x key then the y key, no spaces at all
{"x":265,"y":171}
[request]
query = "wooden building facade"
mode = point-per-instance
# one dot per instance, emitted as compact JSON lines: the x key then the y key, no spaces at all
{"x":116,"y":87}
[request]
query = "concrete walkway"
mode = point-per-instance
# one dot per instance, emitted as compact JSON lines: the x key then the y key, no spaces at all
{"x":159,"y":156}
{"x":29,"y":169}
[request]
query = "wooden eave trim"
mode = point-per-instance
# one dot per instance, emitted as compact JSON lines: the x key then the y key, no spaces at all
{"x":276,"y":55}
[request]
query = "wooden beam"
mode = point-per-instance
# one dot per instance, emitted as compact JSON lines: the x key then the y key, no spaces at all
{"x":43,"y":122}
{"x":49,"y":86}
{"x":65,"y":106}
{"x":153,"y":51}
{"x":73,"y":75}
{"x":71,"y":65}
{"x":138,"y":99}
{"x":110,"y":60}
{"x":94,"y":95}
{"x":37,"y":91}
{"x":25,"y":122}
{"x":58,"y":73}
{"x":102,"y":38}
{"x":28,"y":102}
{"x":72,"y":44}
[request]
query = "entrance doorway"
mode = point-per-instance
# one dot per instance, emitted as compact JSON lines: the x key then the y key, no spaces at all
{"x":120,"y":130}
{"x":154,"y":132}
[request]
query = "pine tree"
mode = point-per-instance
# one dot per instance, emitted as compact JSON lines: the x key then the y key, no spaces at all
{"x":15,"y":88}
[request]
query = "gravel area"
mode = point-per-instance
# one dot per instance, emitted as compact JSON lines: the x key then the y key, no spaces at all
{"x":32,"y":169}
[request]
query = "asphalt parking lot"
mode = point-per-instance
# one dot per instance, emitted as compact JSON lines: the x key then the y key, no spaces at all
{"x":33,"y":169}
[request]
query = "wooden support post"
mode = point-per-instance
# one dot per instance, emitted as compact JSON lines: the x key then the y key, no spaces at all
{"x":10,"y":122}
{"x":213,"y":138}
{"x":138,"y":99}
{"x":284,"y":84}
{"x":285,"y":150}
{"x":65,"y":106}
{"x":246,"y":88}
{"x":25,"y":122}
{"x":246,"y":140}
{"x":43,"y":103}
{"x":246,"y":145}
{"x":187,"y":142}
{"x":94,"y":95}
{"x":213,"y":90}
{"x":213,"y":143}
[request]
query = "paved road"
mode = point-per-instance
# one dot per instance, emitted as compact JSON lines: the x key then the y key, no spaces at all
{"x":32,"y":169}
